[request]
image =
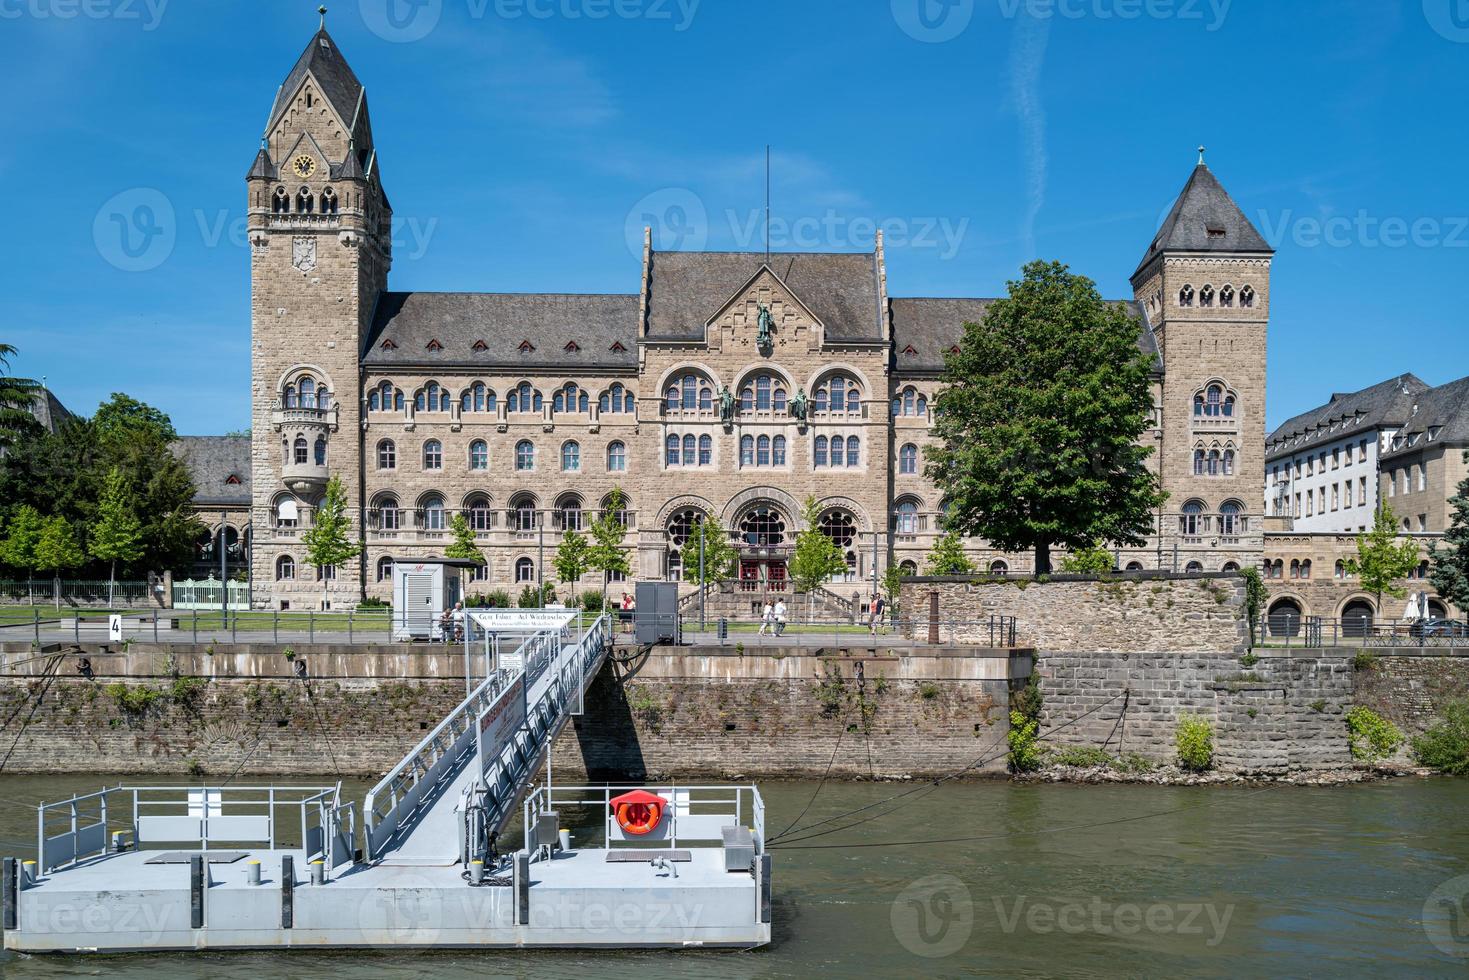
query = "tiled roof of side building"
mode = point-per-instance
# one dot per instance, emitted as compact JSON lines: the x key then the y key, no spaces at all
{"x":687,"y":289}
{"x":1441,"y":413}
{"x":1205,"y":219}
{"x":1388,"y":402}
{"x":220,"y":466}
{"x":927,"y":328}
{"x":504,"y":331}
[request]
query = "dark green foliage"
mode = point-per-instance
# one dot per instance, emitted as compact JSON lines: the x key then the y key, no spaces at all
{"x":1445,"y":746}
{"x":1450,"y":575}
{"x":1040,"y":421}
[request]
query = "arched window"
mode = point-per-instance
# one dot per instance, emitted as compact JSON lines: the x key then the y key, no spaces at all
{"x":477,"y":510}
{"x":1231,"y":520}
{"x":763,"y":527}
{"x":762,"y":451}
{"x":838,"y":451}
{"x":318,"y":451}
{"x":1134,"y":566}
{"x":1227,"y":462}
{"x":525,"y":570}
{"x":301,"y":452}
{"x":999,"y":568}
{"x":570,"y":457}
{"x":386,"y":398}
{"x":384,"y":569}
{"x":841,"y":528}
{"x":620,"y":515}
{"x":385,"y":515}
{"x":287,"y":511}
{"x":433,"y":455}
{"x":285,"y":568}
{"x":1193,"y":568}
{"x":819,"y":451}
{"x":838,"y":394}
{"x":1295,"y":568}
{"x":568,"y":514}
{"x":1213,"y":468}
{"x":908,"y":459}
{"x":281,"y":202}
{"x":387,"y":455}
{"x":1191,"y":520}
{"x":688,"y":393}
{"x":778,"y":451}
{"x":571,"y":398}
{"x":1206,"y":296}
{"x":909,"y":403}
{"x":907,"y":569}
{"x":433,"y":515}
{"x":617,"y":457}
{"x":523,"y":507}
{"x":479,"y":455}
{"x":1186,"y":296}
{"x":523,"y":398}
{"x":1247,"y":297}
{"x":477,"y":398}
{"x":689,"y":456}
{"x":1340,"y":571}
{"x":1306,"y":568}
{"x":616,"y":400}
{"x":747,"y":450}
{"x":1200,"y":462}
{"x":854,"y":451}
{"x":1226,"y":296}
{"x":671,"y":447}
{"x":525,"y":455}
{"x":905,"y":517}
{"x":304,"y":202}
{"x":328,"y":201}
{"x":763,"y":393}
{"x":1230,"y":566}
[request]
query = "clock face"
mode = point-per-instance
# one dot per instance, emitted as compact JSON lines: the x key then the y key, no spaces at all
{"x":304,"y":166}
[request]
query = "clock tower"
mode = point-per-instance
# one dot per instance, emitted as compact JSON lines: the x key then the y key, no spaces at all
{"x":320,"y":248}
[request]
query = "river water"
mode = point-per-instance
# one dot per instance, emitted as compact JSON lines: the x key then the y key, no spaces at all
{"x":1062,"y":880}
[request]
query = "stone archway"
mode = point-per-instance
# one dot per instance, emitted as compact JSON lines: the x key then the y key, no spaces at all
{"x":1284,"y":617}
{"x":1357,"y":617}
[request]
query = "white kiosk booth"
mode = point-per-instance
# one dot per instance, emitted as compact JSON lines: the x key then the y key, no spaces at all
{"x":422,"y":591}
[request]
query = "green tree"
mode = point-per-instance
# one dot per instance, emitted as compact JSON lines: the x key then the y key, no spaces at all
{"x":816,"y":557}
{"x":1256,"y":595}
{"x":892,"y":583}
{"x":18,"y":550}
{"x":122,"y":417}
{"x":608,"y":554}
{"x":327,"y":542}
{"x":1094,"y":559}
{"x":1382,"y":559}
{"x":463,"y":546}
{"x":17,"y":396}
{"x":1450,"y":575}
{"x":58,"y":550}
{"x":571,"y":559}
{"x":947,"y":556}
{"x":118,"y":535}
{"x":720,"y":555}
{"x":1040,"y":421}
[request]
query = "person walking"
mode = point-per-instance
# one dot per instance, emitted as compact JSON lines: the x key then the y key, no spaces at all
{"x":876,"y":608}
{"x":780,"y":617}
{"x":767,"y":618}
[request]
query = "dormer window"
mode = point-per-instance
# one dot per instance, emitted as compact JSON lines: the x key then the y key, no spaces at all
{"x":617,"y":347}
{"x":480,"y":347}
{"x":1217,"y":233}
{"x":388,"y":344}
{"x":572,"y":347}
{"x":909,"y":351}
{"x":433,"y":346}
{"x":232,"y":480}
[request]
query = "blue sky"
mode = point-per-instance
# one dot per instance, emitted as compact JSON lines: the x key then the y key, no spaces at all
{"x":524,"y":141}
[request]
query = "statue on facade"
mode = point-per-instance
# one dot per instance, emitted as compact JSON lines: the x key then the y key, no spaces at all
{"x":726,"y":405}
{"x":765,"y":325}
{"x":800,"y":406}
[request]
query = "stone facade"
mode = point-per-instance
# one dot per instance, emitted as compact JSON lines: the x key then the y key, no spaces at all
{"x":730,"y":384}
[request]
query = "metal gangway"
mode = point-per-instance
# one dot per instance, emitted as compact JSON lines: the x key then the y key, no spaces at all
{"x":490,"y":747}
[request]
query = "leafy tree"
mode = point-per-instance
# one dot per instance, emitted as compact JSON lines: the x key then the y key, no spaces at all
{"x":1450,"y":574}
{"x":892,"y":583}
{"x":571,"y":557}
{"x":122,"y":417}
{"x":463,"y":545}
{"x":720,"y":556}
{"x":18,"y":549}
{"x":816,"y":557}
{"x":1382,"y":559}
{"x":118,"y":535}
{"x":1094,"y":559}
{"x":17,"y":395}
{"x":947,"y":556}
{"x":608,"y":554}
{"x":1256,"y":595}
{"x":326,"y":541}
{"x":58,"y":550}
{"x":1041,"y":418}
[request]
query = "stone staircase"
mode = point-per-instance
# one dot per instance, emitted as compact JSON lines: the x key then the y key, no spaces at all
{"x":729,"y":601}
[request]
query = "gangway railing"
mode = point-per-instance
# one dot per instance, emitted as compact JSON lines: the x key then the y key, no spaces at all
{"x":697,"y":814}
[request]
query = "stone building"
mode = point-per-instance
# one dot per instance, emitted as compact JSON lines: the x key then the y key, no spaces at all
{"x":725,"y":384}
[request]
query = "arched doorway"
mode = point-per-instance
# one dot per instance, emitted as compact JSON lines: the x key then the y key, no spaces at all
{"x":1437,"y":610}
{"x":1284,"y":617}
{"x":1356,"y":618}
{"x":763,"y":536}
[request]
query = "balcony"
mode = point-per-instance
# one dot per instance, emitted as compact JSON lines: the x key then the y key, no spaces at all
{"x":323,"y":418}
{"x":304,"y":479}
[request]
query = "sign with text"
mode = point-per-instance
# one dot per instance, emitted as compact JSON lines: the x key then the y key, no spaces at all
{"x":521,"y":620}
{"x":499,"y":722}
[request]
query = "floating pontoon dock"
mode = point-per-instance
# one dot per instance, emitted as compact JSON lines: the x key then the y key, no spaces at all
{"x":156,"y":868}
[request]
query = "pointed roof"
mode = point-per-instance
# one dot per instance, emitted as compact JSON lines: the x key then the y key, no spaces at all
{"x":1205,"y":219}
{"x":324,"y":62}
{"x":262,"y":167}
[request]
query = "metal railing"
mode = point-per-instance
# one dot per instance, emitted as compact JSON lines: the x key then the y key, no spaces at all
{"x":43,"y":590}
{"x":1316,"y":631}
{"x":80,"y":828}
{"x":817,"y":632}
{"x":697,"y":814}
{"x":202,"y":625}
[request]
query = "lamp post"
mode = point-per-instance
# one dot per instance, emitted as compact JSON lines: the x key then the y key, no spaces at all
{"x":224,"y":567}
{"x":541,"y":558}
{"x":702,"y":588}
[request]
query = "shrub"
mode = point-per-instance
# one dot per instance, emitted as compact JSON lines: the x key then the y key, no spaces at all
{"x":373,"y":603}
{"x":186,"y":692}
{"x":591,"y":601}
{"x":1249,"y":660}
{"x":1026,"y":752}
{"x":831,"y":691}
{"x":1195,"y":740}
{"x":1029,"y":700}
{"x":1133,"y":763}
{"x":1370,"y":735}
{"x":1085,"y":757}
{"x":1445,"y":746}
{"x":928,"y":690}
{"x":529,"y":598}
{"x":1364,"y":660}
{"x":133,"y":700}
{"x":498,"y":599}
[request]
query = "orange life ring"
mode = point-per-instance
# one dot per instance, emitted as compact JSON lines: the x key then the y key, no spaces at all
{"x":639,"y":813}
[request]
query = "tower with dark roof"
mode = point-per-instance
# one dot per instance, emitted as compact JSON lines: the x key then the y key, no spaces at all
{"x":320,"y":248}
{"x":1204,"y":284}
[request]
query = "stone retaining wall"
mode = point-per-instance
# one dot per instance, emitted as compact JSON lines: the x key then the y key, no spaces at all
{"x":1409,"y":687}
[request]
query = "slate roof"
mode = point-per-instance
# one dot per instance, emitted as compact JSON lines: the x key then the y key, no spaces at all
{"x":932,"y":326}
{"x":1205,"y":219}
{"x":47,"y":409}
{"x":212,"y":460}
{"x":686,"y":289}
{"x":1442,"y":413}
{"x":1387,"y":403}
{"x":324,"y":61}
{"x":518,"y":330}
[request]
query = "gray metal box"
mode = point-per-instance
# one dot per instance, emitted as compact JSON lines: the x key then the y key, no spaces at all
{"x":548,"y":825}
{"x":657,"y":613}
{"x":739,"y":848}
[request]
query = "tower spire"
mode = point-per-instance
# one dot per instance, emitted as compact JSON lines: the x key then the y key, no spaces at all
{"x":1201,"y":154}
{"x":322,"y":10}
